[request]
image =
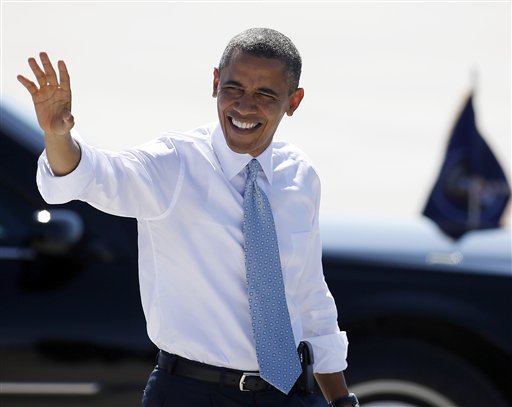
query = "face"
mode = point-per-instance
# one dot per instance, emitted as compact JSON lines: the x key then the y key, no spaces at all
{"x":252,"y":98}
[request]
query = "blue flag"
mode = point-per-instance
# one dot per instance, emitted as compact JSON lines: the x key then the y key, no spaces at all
{"x":471,"y":191}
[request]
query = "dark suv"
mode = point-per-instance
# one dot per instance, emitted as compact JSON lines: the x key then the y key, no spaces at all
{"x":429,"y":319}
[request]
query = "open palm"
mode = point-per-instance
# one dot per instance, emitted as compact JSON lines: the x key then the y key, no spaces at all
{"x":52,"y":99}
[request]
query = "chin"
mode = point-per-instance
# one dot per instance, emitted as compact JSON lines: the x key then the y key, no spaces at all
{"x":238,"y":148}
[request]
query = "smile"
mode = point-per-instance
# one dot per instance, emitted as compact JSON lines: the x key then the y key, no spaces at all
{"x":243,"y":125}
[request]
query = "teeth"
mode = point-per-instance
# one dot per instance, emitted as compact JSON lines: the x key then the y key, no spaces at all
{"x":244,"y":125}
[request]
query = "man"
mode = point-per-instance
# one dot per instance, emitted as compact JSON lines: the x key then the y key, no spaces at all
{"x":200,"y":199}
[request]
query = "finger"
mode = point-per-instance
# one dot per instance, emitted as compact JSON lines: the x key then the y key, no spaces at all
{"x":31,"y":86}
{"x":51,"y":77}
{"x":64,"y":76}
{"x":38,"y":72}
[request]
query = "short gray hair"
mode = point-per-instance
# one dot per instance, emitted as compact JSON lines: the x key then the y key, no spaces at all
{"x":266,"y":43}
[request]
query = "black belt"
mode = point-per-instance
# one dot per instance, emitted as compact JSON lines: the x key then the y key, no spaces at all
{"x":179,"y":366}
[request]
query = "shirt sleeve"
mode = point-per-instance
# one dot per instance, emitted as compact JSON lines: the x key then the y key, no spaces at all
{"x":318,"y":308}
{"x":138,"y":182}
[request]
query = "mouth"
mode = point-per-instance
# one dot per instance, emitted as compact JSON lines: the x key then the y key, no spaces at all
{"x":244,"y":126}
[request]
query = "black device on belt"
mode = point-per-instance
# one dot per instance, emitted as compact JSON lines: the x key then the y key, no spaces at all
{"x":306,"y":382}
{"x":245,"y":381}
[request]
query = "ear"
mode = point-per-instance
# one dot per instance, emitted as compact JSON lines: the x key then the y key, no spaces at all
{"x":295,"y":99}
{"x":216,"y":78}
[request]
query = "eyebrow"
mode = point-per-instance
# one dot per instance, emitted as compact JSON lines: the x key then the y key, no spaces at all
{"x":262,"y":90}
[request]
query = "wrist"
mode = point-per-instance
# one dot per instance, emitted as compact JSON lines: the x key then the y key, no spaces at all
{"x":346,"y":401}
{"x":53,"y":135}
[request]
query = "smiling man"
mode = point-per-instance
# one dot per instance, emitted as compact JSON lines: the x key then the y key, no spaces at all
{"x":230,"y":266}
{"x":253,"y":95}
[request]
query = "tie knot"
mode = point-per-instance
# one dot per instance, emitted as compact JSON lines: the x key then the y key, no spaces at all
{"x":254,"y":167}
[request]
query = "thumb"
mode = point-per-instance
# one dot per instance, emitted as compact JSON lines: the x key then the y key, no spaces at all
{"x":68,"y":119}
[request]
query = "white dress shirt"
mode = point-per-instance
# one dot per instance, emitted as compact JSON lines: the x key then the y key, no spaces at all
{"x":185,"y":190}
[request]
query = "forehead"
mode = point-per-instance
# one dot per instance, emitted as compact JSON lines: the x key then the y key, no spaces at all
{"x":254,"y":71}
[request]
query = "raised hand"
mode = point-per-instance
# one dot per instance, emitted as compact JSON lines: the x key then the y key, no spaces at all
{"x":52,"y":99}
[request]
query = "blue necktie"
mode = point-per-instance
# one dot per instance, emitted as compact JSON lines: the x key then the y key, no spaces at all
{"x":275,"y":347}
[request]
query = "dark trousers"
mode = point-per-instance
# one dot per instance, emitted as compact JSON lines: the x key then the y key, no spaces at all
{"x":167,"y":390}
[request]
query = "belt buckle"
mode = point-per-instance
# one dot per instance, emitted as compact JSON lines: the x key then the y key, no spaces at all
{"x":242,"y":380}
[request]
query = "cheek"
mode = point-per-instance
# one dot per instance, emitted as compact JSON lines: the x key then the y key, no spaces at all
{"x":223,"y":100}
{"x":221,"y":103}
{"x":222,"y":107}
{"x":274,"y":116}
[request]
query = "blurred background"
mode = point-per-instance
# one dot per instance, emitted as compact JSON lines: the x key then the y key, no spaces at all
{"x":384,"y":81}
{"x":407,"y":112}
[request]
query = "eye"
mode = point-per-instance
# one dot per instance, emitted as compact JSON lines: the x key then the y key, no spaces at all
{"x":265,"y":98}
{"x":232,"y":91}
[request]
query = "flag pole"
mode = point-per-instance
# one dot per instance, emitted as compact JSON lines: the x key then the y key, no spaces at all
{"x":475,"y":187}
{"x":473,"y":79}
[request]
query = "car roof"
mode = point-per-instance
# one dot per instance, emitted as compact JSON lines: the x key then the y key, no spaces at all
{"x":416,"y":242}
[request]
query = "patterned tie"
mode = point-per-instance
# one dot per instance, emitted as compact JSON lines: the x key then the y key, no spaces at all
{"x":275,"y":347}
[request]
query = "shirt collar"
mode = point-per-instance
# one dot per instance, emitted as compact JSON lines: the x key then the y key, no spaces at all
{"x":232,"y":163}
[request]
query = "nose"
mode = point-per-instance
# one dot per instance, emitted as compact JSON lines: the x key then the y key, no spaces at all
{"x":246,"y":103}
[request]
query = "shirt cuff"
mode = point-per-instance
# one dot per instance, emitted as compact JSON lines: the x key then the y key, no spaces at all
{"x":61,"y":189}
{"x":329,"y":352}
